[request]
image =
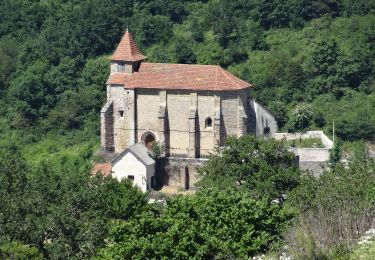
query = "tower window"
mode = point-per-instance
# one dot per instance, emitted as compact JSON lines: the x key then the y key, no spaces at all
{"x":131,"y":177}
{"x":121,"y":113}
{"x":121,"y":67}
{"x":208,"y":122}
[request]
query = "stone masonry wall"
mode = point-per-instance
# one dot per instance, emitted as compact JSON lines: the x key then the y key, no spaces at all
{"x":148,"y":102}
{"x":106,"y":130}
{"x":206,"y":109}
{"x":178,"y":172}
{"x":123,"y":116}
{"x":178,"y":105}
{"x":138,"y":112}
{"x":229,"y":110}
{"x":314,"y":160}
{"x":307,"y":135}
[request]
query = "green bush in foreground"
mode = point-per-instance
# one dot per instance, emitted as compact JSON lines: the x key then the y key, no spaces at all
{"x":223,"y":224}
{"x":12,"y":250}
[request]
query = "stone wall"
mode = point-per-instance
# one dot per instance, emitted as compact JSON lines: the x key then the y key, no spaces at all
{"x":206,"y":111}
{"x":106,"y":127}
{"x":307,"y":135}
{"x":124,"y":116}
{"x":189,"y":123}
{"x":314,"y":160}
{"x":311,"y":154}
{"x":148,"y":101}
{"x":178,"y":172}
{"x":316,"y":168}
{"x":230,"y":113}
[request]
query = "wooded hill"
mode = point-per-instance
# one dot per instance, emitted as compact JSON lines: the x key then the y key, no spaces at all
{"x":312,"y":63}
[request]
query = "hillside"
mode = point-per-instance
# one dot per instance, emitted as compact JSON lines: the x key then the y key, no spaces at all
{"x":311,"y":62}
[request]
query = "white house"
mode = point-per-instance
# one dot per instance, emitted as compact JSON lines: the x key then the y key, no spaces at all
{"x":135,"y":164}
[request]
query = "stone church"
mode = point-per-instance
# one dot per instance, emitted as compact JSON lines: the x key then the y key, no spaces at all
{"x":188,"y":109}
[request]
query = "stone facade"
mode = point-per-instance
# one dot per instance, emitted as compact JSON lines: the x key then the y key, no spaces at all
{"x":189,"y":109}
{"x":187,"y":123}
{"x":107,"y":131}
{"x":178,"y":172}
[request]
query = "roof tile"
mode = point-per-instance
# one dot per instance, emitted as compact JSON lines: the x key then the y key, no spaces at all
{"x":127,"y":50}
{"x":179,"y":76}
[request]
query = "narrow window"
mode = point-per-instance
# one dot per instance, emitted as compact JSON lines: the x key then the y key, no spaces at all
{"x":121,"y":113}
{"x":121,"y":67}
{"x":208,"y":122}
{"x":131,"y":177}
{"x":266,"y":130}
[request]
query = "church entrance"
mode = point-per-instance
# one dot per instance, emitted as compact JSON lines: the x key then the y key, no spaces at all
{"x":148,"y":139}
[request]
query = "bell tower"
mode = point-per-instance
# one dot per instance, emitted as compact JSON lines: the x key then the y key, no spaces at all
{"x":127,"y":58}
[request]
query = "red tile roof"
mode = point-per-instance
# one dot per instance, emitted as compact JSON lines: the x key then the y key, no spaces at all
{"x":127,"y":50}
{"x":179,"y":76}
{"x":104,"y":168}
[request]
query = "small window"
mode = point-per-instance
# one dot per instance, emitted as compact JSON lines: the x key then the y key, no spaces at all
{"x":208,"y":122}
{"x":121,"y":113}
{"x":131,"y":177}
{"x":266,"y":130}
{"x":121,"y":67}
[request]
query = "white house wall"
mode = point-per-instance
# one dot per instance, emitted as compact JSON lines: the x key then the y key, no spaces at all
{"x":130,"y":165}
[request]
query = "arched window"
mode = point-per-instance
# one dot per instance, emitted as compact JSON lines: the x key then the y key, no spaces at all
{"x":148,"y":139}
{"x":267,"y":130}
{"x":208,"y":122}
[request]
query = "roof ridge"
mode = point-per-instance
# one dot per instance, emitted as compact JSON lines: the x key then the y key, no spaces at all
{"x":180,"y":64}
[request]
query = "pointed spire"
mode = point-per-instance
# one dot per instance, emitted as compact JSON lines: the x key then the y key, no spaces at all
{"x":127,"y":50}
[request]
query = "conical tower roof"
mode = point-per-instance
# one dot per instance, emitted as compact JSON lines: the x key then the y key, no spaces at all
{"x":127,"y":50}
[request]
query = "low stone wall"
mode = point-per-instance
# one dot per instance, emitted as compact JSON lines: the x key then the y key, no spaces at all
{"x":314,"y":160}
{"x":311,"y":154}
{"x":307,"y":135}
{"x":316,"y":168}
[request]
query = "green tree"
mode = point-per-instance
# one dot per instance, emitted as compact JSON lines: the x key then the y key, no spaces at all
{"x":31,"y":93}
{"x":338,"y":207}
{"x":18,"y":251}
{"x":300,"y":117}
{"x":265,"y":167}
{"x":210,"y":224}
{"x":13,"y":191}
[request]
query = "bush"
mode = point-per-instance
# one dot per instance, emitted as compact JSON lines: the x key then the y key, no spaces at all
{"x":300,"y":117}
{"x":339,"y":206}
{"x":265,"y":167}
{"x":12,"y":250}
{"x":213,"y":224}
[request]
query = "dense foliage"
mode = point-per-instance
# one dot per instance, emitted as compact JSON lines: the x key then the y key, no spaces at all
{"x":61,"y":212}
{"x":222,"y":224}
{"x":266,"y":168}
{"x":312,"y":63}
{"x":335,"y":209}
{"x":313,"y":54}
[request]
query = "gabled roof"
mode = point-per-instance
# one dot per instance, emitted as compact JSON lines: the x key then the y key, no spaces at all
{"x":104,"y":168}
{"x":139,"y":150}
{"x":179,"y":76}
{"x":127,"y":50}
